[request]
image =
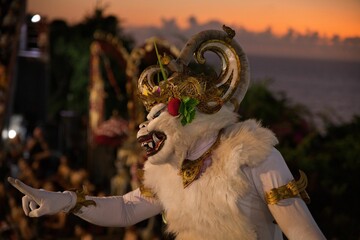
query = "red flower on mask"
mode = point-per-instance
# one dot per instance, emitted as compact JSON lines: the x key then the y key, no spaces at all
{"x":173,"y":106}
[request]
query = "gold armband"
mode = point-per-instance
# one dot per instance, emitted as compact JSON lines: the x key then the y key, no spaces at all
{"x":81,"y":201}
{"x":289,"y":190}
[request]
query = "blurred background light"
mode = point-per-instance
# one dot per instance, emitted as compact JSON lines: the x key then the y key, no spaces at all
{"x":12,"y":134}
{"x":36,"y":18}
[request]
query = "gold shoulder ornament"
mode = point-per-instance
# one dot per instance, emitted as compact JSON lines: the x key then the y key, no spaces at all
{"x":146,"y":192}
{"x":289,"y":190}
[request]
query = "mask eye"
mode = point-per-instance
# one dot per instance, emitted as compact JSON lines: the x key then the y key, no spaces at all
{"x":158,"y":112}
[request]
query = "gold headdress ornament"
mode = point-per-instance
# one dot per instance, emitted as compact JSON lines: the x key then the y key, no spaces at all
{"x":211,"y":92}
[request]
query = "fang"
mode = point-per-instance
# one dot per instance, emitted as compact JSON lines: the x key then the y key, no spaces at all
{"x":155,"y":138}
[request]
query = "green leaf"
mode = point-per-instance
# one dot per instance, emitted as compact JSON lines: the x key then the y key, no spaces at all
{"x":182,"y":107}
{"x":185,"y":112}
{"x":160,"y":64}
{"x":193,"y":103}
{"x":183,"y":121}
{"x":188,"y":118}
{"x":192,"y":115}
{"x":187,"y":109}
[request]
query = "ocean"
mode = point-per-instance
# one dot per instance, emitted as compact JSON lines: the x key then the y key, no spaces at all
{"x":329,"y":87}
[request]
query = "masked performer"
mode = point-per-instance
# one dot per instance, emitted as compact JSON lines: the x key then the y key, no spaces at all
{"x":210,"y":175}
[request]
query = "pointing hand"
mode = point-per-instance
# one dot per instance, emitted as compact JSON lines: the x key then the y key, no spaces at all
{"x":39,"y":202}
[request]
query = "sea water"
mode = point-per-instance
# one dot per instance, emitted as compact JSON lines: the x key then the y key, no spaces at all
{"x":330,"y":87}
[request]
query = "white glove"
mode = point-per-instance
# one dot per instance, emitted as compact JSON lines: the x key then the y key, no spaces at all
{"x":38,"y":202}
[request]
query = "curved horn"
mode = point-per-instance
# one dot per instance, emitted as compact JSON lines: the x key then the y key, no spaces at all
{"x":146,"y":82}
{"x":234,"y":78}
{"x":149,"y":86}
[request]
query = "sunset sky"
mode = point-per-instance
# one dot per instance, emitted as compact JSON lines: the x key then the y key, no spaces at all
{"x":327,"y":17}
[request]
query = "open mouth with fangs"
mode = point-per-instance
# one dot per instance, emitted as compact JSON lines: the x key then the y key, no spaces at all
{"x":152,"y":142}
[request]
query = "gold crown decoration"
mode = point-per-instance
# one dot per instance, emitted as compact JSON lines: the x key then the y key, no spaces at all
{"x":212,"y":92}
{"x":140,"y":57}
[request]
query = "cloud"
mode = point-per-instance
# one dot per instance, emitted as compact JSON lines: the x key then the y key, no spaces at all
{"x":291,"y":44}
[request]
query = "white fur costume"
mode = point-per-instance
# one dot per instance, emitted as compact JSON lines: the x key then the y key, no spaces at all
{"x":239,"y":163}
{"x":227,"y":201}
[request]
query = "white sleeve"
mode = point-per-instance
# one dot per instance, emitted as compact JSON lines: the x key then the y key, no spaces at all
{"x":120,"y":211}
{"x":292,"y":214}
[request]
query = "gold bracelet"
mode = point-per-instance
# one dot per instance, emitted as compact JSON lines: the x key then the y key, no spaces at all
{"x":81,"y":201}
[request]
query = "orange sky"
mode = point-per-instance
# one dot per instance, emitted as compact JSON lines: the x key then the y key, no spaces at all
{"x":328,"y":17}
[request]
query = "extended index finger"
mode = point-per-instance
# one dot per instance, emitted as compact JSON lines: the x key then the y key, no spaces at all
{"x":22,"y":187}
